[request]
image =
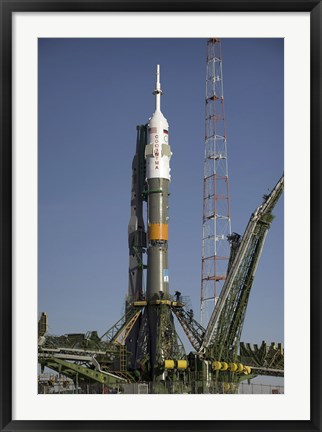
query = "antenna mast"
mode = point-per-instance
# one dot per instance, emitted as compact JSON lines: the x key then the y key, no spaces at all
{"x":216,"y":226}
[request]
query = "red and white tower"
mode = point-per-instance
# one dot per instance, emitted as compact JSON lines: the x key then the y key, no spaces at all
{"x":216,"y":226}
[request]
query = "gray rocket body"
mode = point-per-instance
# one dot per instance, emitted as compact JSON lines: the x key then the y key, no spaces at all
{"x":158,"y":272}
{"x":157,"y":156}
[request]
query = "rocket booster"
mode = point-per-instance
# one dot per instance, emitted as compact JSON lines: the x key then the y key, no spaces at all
{"x":157,"y":156}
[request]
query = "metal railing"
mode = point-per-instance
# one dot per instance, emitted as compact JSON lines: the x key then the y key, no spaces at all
{"x":63,"y":386}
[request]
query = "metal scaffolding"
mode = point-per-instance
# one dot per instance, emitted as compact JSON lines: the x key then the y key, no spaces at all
{"x":216,"y":226}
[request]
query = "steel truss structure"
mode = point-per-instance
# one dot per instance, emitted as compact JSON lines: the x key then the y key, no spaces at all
{"x":216,"y":225}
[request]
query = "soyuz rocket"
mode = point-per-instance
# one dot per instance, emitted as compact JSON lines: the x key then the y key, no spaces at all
{"x":153,"y":339}
{"x":157,"y":156}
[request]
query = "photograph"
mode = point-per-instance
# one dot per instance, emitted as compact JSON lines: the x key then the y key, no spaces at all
{"x":160,"y":216}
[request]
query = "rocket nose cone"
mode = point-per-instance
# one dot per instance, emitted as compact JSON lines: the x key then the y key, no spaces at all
{"x":158,"y":120}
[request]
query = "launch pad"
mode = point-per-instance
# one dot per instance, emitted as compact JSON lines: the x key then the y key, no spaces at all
{"x":143,"y":347}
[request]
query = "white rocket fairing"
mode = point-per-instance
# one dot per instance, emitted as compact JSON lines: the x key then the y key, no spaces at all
{"x":158,"y":151}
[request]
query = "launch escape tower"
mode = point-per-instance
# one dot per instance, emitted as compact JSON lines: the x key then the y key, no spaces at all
{"x":216,"y":226}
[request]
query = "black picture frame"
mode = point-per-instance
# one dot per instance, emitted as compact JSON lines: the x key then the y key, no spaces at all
{"x":10,"y":6}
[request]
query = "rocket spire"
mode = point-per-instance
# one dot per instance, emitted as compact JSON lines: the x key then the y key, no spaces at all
{"x":157,"y":92}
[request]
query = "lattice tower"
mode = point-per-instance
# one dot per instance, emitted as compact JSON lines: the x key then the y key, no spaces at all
{"x":216,"y":225}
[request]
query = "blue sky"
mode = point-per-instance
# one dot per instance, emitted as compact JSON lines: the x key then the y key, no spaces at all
{"x":92,"y":94}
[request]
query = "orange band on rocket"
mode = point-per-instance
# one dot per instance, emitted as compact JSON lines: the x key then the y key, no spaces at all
{"x":158,"y":231}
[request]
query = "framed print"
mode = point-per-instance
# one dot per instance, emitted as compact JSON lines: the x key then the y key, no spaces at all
{"x":150,"y":278}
